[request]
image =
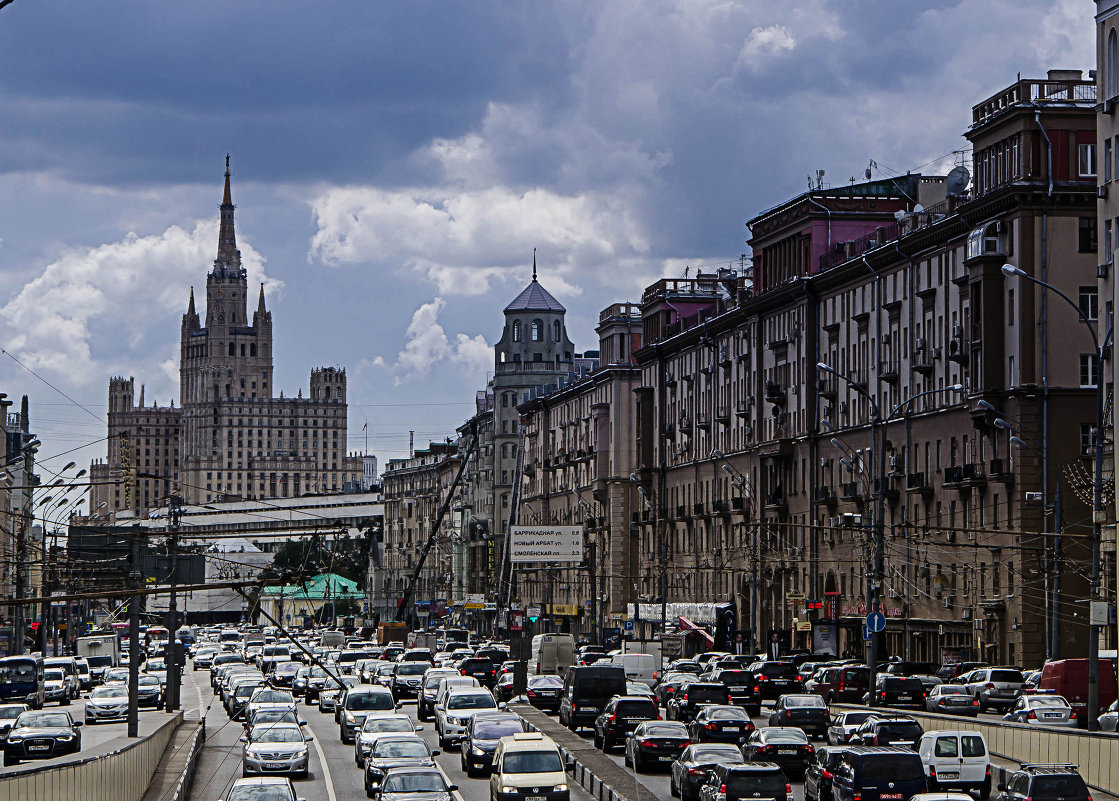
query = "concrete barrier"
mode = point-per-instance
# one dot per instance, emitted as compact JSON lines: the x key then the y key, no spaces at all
{"x":121,"y":775}
{"x":175,"y":775}
{"x":1096,"y":754}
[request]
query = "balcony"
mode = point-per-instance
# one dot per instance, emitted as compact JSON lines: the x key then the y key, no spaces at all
{"x":957,"y":350}
{"x":681,"y":512}
{"x":685,"y":425}
{"x":888,"y":370}
{"x":720,"y":506}
{"x":824,"y":496}
{"x":722,"y":415}
{"x":774,"y":393}
{"x":737,"y":503}
{"x":742,"y":408}
{"x":698,"y":509}
{"x":917,"y":483}
{"x":850,"y":491}
{"x":886,"y":488}
{"x":828,"y":387}
{"x":703,"y":420}
{"x":974,"y":475}
{"x":776,"y":502}
{"x":669,"y":431}
{"x":954,"y":476}
{"x":1000,"y":471}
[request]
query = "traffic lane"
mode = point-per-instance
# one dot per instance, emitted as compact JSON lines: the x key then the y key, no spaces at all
{"x":338,"y":779}
{"x":471,"y":789}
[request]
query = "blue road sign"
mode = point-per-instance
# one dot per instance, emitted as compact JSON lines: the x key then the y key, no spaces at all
{"x":868,"y":635}
{"x":876,"y":622}
{"x":629,"y":625}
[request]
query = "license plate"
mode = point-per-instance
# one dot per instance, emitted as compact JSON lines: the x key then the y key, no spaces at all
{"x":38,"y":748}
{"x":667,"y":758}
{"x":905,"y":697}
{"x":274,"y":765}
{"x":945,"y":775}
{"x":1052,"y":715}
{"x":786,"y":752}
{"x":890,"y":795}
{"x":535,"y":798}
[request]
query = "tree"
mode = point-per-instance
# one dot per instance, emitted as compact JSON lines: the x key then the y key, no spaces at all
{"x":347,"y":556}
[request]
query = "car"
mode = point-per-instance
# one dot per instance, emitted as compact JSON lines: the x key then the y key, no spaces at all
{"x":416,"y":655}
{"x":897,"y":691}
{"x":744,"y":689}
{"x":844,"y":725}
{"x":668,"y":686}
{"x":480,"y":741}
{"x":157,"y":668}
{"x":359,"y":703}
{"x":956,"y":760}
{"x":299,"y":681}
{"x":414,"y":784}
{"x":69,"y":666}
{"x":107,"y":703}
{"x":1045,"y":782}
{"x":694,"y":765}
{"x":842,"y":684}
{"x":8,"y":713}
{"x":85,"y":677}
{"x":481,"y":668}
{"x":806,"y":711}
{"x":544,"y":692}
{"x":587,"y":690}
{"x":384,"y":673}
{"x":503,"y":690}
{"x":429,"y":688}
{"x":951,"y":699}
{"x":454,"y":709}
{"x":317,"y":678}
{"x":329,"y":694}
{"x":407,"y":678}
{"x":395,"y":751}
{"x":117,"y":675}
{"x":656,"y":742}
{"x":746,"y":782}
{"x":773,"y":679}
{"x":240,"y":696}
{"x":375,"y":727}
{"x":818,"y":777}
{"x":149,"y":692}
{"x":285,"y":673}
{"x":995,"y":687}
{"x":949,"y":673}
{"x":720,"y":723}
{"x":37,"y":734}
{"x":878,"y":774}
{"x":56,"y":687}
{"x":262,"y":788}
{"x":275,"y":748}
{"x":621,"y":716}
{"x":1042,"y":710}
{"x":786,"y":746}
{"x":690,"y":698}
{"x":528,"y":765}
{"x":264,"y":697}
{"x":1107,"y":720}
{"x":898,"y":731}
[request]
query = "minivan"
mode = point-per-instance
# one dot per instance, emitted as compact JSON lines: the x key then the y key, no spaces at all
{"x":1069,"y":677}
{"x":869,"y":773}
{"x":639,"y":667}
{"x":528,"y":765}
{"x":552,"y":653}
{"x":587,"y":689}
{"x":956,"y":760}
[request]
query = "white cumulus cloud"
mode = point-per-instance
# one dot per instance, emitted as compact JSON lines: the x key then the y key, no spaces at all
{"x":428,"y":346}
{"x":766,"y":41}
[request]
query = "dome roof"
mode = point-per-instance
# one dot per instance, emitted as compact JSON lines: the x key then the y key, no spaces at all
{"x":534,"y":297}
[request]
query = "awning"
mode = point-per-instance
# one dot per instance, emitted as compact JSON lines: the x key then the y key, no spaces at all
{"x":688,"y":625}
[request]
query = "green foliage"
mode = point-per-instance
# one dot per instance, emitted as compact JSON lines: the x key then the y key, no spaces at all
{"x":346,"y":556}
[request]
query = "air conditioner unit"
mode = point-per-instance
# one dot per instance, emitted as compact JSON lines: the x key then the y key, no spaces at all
{"x":892,"y":593}
{"x":835,"y":522}
{"x":919,"y":345}
{"x":948,"y":602}
{"x":825,"y":461}
{"x":852,"y":520}
{"x":843,"y":407}
{"x":893,"y":461}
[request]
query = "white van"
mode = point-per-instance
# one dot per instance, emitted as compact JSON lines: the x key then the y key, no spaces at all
{"x":552,"y":654}
{"x":639,"y":667}
{"x":956,"y":760}
{"x":528,"y":764}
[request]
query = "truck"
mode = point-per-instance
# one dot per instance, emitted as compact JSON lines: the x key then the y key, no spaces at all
{"x":552,"y":654}
{"x":100,"y":651}
{"x":392,"y":631}
{"x":423,"y":639}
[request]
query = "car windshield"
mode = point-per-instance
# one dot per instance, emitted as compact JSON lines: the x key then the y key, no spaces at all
{"x":538,"y":682}
{"x":734,"y":678}
{"x":854,"y":718}
{"x":413,"y":669}
{"x":258,"y":792}
{"x":637,"y":709}
{"x":109,"y":692}
{"x":278,"y":735}
{"x":17,"y":673}
{"x":43,"y":719}
{"x":786,"y":736}
{"x":714,"y":754}
{"x":1049,"y":700}
{"x":151,"y":681}
{"x":776,"y":670}
{"x":387,"y":724}
{"x":432,"y":680}
{"x":274,"y":716}
{"x":474,"y":701}
{"x":891,"y":767}
{"x":272,"y":697}
{"x":497,"y":729}
{"x":414,"y":783}
{"x":728,"y":713}
{"x":155,"y":664}
{"x":408,"y":749}
{"x":54,"y":675}
{"x":767,"y":785}
{"x":900,"y":731}
{"x":804,"y":701}
{"x":369,"y":701}
{"x":949,"y":689}
{"x":1065,"y":785}
{"x":705,"y":692}
{"x":666,"y":730}
{"x":10,"y":712}
{"x":532,"y":762}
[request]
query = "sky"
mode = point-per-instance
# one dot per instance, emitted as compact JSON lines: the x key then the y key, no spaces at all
{"x":396,"y":163}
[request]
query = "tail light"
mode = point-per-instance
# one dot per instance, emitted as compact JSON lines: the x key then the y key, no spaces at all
{"x":658,"y":717}
{"x":827,"y":774}
{"x":859,"y":797}
{"x":788,"y":789}
{"x":763,"y":677}
{"x":1032,"y":715}
{"x":932,"y":772}
{"x":788,"y":713}
{"x":710,"y":727}
{"x":926,"y":695}
{"x":842,"y":686}
{"x":647,"y":744}
{"x":700,"y":772}
{"x":975,"y":703}
{"x":988,"y":686}
{"x":811,"y":748}
{"x":613,"y":717}
{"x":1072,"y":716}
{"x":723,"y":790}
{"x":464,"y":672}
{"x":531,"y":693}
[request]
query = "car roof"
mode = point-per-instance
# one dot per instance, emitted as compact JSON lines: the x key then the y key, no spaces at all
{"x":262,"y":781}
{"x":527,"y":741}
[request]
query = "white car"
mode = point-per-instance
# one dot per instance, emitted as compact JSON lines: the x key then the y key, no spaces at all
{"x":107,"y":703}
{"x":1109,"y":718}
{"x":454,"y":710}
{"x":1042,"y":710}
{"x":157,"y":668}
{"x":956,"y":760}
{"x":374,"y":728}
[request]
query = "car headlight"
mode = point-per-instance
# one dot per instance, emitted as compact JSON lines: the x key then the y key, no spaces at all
{"x":507,"y":789}
{"x":15,"y":738}
{"x":478,"y":752}
{"x":252,"y":754}
{"x":301,"y":754}
{"x":65,"y":737}
{"x":560,"y":788}
{"x":350,"y":717}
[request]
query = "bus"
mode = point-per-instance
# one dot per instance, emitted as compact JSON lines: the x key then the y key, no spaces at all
{"x":21,"y":680}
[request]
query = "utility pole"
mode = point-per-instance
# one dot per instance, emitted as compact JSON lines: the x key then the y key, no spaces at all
{"x":134,"y":638}
{"x":174,"y":517}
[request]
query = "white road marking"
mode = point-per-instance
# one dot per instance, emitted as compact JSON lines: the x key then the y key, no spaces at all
{"x":325,"y":771}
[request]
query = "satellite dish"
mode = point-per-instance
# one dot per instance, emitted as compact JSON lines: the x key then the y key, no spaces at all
{"x":899,"y":215}
{"x":958,"y":180}
{"x":918,"y":209}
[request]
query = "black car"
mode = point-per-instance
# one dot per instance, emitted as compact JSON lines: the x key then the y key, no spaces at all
{"x":721,"y":724}
{"x":544,"y":692}
{"x":744,"y":689}
{"x":587,"y":690}
{"x":897,"y":731}
{"x":1045,"y":782}
{"x":803,"y":710}
{"x":759,"y":781}
{"x":686,"y":701}
{"x":480,"y":741}
{"x":898,"y":691}
{"x":877,"y":774}
{"x":620,"y":717}
{"x":407,"y":678}
{"x":788,"y":747}
{"x":480,"y":668}
{"x":694,"y":765}
{"x":414,"y":784}
{"x":818,"y":777}
{"x":149,"y":691}
{"x":495,"y":655}
{"x":503,"y":690}
{"x":41,"y":735}
{"x":284,"y":674}
{"x":656,"y":742}
{"x":391,"y":751}
{"x":666,"y":689}
{"x":773,"y":679}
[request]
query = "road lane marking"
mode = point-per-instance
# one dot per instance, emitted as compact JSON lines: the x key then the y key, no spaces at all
{"x":325,"y":770}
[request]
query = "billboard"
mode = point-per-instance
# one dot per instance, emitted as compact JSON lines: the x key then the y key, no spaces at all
{"x":528,"y":544}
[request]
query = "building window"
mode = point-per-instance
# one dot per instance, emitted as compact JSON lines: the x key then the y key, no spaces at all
{"x":1012,"y":379}
{"x":1112,"y":66}
{"x":1088,"y":161}
{"x":1107,"y":160}
{"x":516,"y":330}
{"x":1010,"y":307}
{"x":1088,"y":242}
{"x":1089,"y":302}
{"x":1087,"y":438}
{"x":537,"y":331}
{"x":231,"y":350}
{"x":556,"y":331}
{"x":1089,"y":371}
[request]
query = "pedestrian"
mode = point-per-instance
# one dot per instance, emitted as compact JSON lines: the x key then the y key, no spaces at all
{"x":774,"y":650}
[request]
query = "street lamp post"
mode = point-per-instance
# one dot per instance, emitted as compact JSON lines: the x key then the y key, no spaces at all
{"x":1098,"y":514}
{"x":879,"y":422}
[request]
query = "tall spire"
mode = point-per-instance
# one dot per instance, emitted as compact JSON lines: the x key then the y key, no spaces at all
{"x":260,"y":303}
{"x":534,"y":264}
{"x":229,"y":258}
{"x":190,"y":309}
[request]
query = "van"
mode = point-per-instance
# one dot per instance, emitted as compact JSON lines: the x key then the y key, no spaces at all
{"x":332,"y":639}
{"x":639,"y":667}
{"x":587,"y":689}
{"x":1069,"y":677}
{"x":552,"y":653}
{"x":69,"y":666}
{"x":869,"y":773}
{"x":528,"y":765}
{"x":956,"y":760}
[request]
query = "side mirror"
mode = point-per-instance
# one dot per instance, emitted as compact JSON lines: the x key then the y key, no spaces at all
{"x":78,"y":724}
{"x":435,"y":752}
{"x":302,"y":723}
{"x":399,"y":704}
{"x":419,"y":728}
{"x":502,"y":705}
{"x":1002,"y":787}
{"x":244,"y":738}
{"x":308,"y":738}
{"x":452,"y":788}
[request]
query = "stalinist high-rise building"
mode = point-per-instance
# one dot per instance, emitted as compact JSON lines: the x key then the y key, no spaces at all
{"x":229,"y":437}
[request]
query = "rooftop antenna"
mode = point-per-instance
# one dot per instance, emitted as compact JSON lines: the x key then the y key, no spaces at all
{"x":534,"y":264}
